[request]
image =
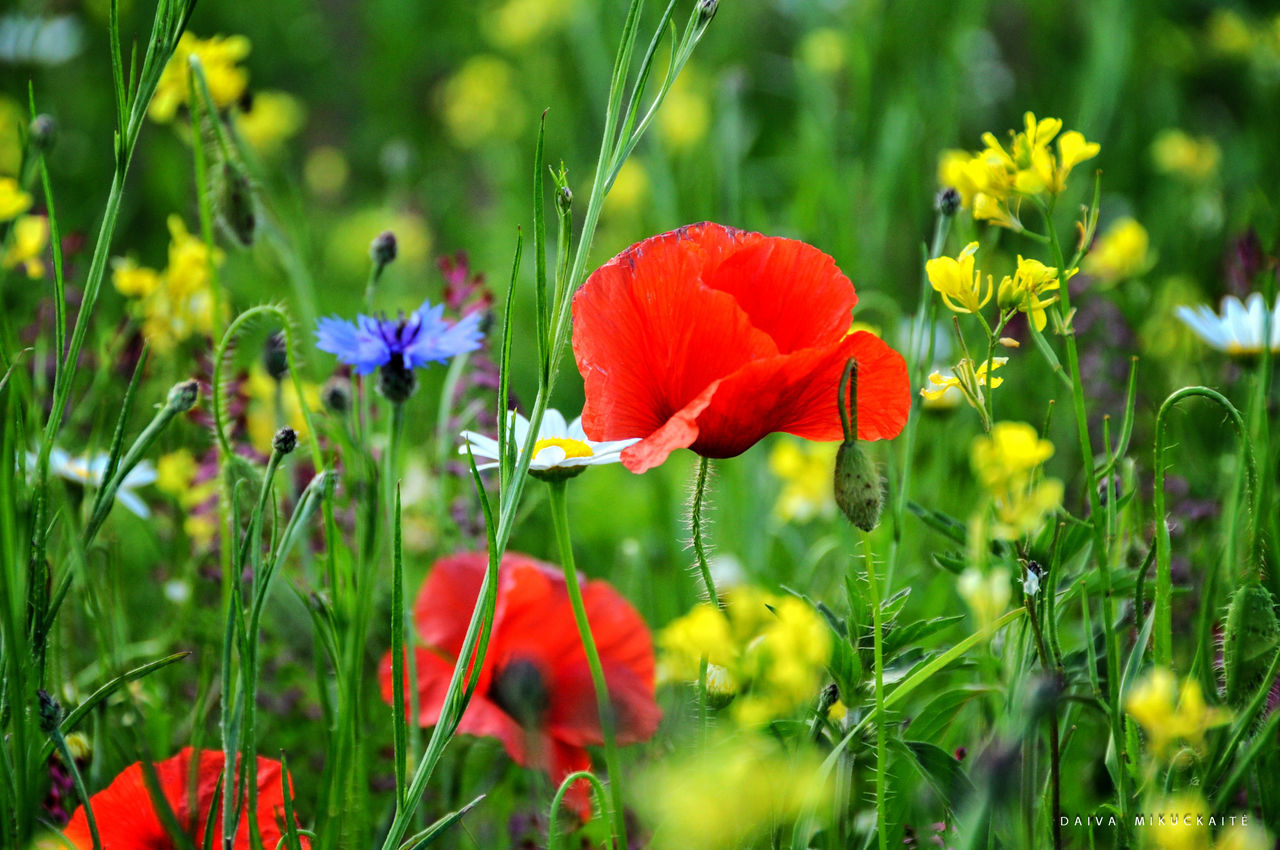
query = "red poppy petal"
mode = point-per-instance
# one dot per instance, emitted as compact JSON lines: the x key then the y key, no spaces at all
{"x":678,"y":432}
{"x":482,"y":718}
{"x":790,"y":290}
{"x":650,"y":338}
{"x":442,"y":611}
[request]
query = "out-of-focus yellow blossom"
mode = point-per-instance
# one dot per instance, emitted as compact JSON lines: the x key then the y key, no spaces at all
{"x":347,"y":248}
{"x":1194,"y":160}
{"x":986,"y":595}
{"x":12,"y":118}
{"x":958,"y":281}
{"x":30,"y":236}
{"x":805,"y":469}
{"x":1230,"y":34}
{"x":1182,"y":826}
{"x":773,"y":647}
{"x":273,"y":118}
{"x":175,"y":303}
{"x":629,"y":189}
{"x":325,"y":171}
{"x":13,"y":200}
{"x":1122,"y":252}
{"x":1031,"y":280}
{"x":965,"y":380}
{"x":993,"y":181}
{"x":219,"y":57}
{"x":132,"y":280}
{"x":176,"y":477}
{"x":685,"y":116}
{"x":1169,"y":713}
{"x":273,"y":406}
{"x":824,"y":51}
{"x":1244,"y":837}
{"x":729,"y":793}
{"x":518,"y":23}
{"x":1005,"y":462}
{"x":479,"y":102}
{"x":174,"y":473}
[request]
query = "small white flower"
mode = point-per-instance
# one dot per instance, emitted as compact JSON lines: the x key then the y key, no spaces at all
{"x":88,"y":471}
{"x":1030,"y":583}
{"x":1239,"y":329}
{"x":560,"y":445}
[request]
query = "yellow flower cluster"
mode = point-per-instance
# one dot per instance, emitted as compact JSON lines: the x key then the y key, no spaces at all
{"x":176,"y":477}
{"x":271,"y":120}
{"x":1178,"y":154}
{"x":1024,"y":291}
{"x":1123,"y":252}
{"x":13,"y":200}
{"x":480,"y":102}
{"x":805,"y":470}
{"x":993,"y":181}
{"x":178,"y":302}
{"x":987,"y":595}
{"x":729,"y":793}
{"x":219,"y":57}
{"x":965,"y":379}
{"x":30,"y":236}
{"x":1006,"y":463}
{"x":772,"y":651}
{"x":1187,"y":824}
{"x":959,"y":282}
{"x":1169,"y":713}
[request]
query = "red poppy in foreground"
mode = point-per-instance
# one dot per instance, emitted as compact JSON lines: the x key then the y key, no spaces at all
{"x":709,"y":338}
{"x":534,"y":690}
{"x":127,"y":820}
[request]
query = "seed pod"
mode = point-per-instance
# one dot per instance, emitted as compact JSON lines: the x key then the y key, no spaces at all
{"x":1249,"y":641}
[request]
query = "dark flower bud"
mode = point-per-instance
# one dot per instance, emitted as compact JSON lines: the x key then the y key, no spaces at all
{"x":829,"y":696}
{"x":707,"y":10}
{"x":285,"y":441}
{"x":183,"y":396}
{"x":564,"y":199}
{"x":947,"y":201}
{"x":396,"y":382}
{"x":44,"y":132}
{"x":50,"y":711}
{"x":275,"y":356}
{"x":383,"y":248}
{"x":236,"y":206}
{"x":336,"y":394}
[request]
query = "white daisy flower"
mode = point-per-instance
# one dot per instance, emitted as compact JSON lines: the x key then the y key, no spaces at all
{"x":88,"y":471}
{"x":560,"y":446}
{"x":1239,"y":330}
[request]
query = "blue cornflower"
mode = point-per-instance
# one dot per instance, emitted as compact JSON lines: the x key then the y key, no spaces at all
{"x":398,"y":346}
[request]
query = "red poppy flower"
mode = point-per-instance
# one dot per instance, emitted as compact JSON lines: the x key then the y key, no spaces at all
{"x":534,"y":691}
{"x":709,"y":338}
{"x":127,"y":820}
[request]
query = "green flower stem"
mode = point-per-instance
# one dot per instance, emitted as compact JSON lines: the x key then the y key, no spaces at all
{"x":877,"y":640}
{"x":695,"y":519}
{"x":553,"y":828}
{"x":560,"y":517}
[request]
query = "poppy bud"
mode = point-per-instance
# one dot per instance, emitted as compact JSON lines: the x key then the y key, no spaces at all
{"x":275,"y":356}
{"x":183,"y":396}
{"x":236,"y":209}
{"x":947,"y":201}
{"x":383,"y":249}
{"x":396,"y":381}
{"x":44,"y":132}
{"x":1249,"y":640}
{"x":285,"y":441}
{"x":336,"y":395}
{"x":857,"y":483}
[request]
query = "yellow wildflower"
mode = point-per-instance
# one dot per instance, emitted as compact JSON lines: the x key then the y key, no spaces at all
{"x":178,"y":302}
{"x":479,"y":102}
{"x":1122,"y":252}
{"x":771,"y":648}
{"x":12,"y":118}
{"x":629,"y":189}
{"x":1176,"y":153}
{"x":132,"y":280}
{"x":189,"y":261}
{"x":685,"y":116}
{"x":30,"y":236}
{"x":273,"y":406}
{"x":174,"y":473}
{"x":270,"y":121}
{"x":1183,"y":826}
{"x":1024,"y":289}
{"x":13,"y":200}
{"x":1244,"y":837}
{"x":958,"y":281}
{"x":965,"y":380}
{"x":986,"y":595}
{"x":1169,"y":713}
{"x":325,"y":171}
{"x":953,"y":171}
{"x":1005,"y":462}
{"x":824,"y":51}
{"x":218,"y":57}
{"x":1230,"y":34}
{"x":728,"y":794}
{"x":518,"y":23}
{"x":805,"y":469}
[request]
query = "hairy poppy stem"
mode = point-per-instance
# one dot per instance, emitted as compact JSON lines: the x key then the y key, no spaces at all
{"x":560,"y":517}
{"x":849,"y":414}
{"x":695,"y":519}
{"x":877,"y":641}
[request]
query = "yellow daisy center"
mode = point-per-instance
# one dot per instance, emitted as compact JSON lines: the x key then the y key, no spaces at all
{"x":571,"y":448}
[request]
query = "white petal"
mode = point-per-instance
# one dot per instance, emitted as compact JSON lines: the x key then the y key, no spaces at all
{"x":1275,"y":326}
{"x":552,"y":424}
{"x":140,"y":476}
{"x":1237,"y":321}
{"x":549,"y":457}
{"x":481,"y":446}
{"x":519,"y":428}
{"x":575,"y":432}
{"x":131,"y":501}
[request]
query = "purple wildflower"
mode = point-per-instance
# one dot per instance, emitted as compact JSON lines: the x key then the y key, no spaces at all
{"x":408,"y":342}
